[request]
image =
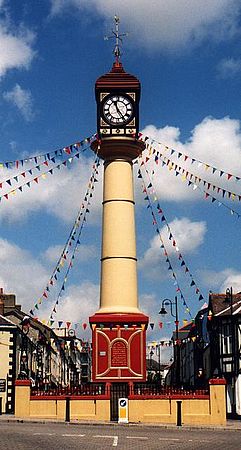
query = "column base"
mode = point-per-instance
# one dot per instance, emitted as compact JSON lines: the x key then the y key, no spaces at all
{"x":118,"y":347}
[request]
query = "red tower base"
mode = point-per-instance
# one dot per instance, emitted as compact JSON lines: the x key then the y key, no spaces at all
{"x":119,"y":347}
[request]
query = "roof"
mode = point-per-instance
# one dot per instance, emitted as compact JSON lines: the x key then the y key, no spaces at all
{"x":152,"y":364}
{"x":184,"y":331}
{"x":220,"y":306}
{"x":6,"y":322}
{"x":117,"y":78}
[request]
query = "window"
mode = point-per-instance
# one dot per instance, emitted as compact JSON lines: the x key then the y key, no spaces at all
{"x":226,"y":338}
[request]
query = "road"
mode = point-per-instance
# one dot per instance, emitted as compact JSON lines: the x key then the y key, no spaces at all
{"x":37,"y":436}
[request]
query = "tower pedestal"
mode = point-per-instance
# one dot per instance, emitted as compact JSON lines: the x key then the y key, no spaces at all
{"x":119,"y":347}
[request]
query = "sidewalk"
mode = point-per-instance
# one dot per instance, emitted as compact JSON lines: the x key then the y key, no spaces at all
{"x":231,"y":425}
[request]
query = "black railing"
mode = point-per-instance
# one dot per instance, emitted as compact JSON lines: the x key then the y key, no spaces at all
{"x":137,"y":389}
{"x":92,"y":389}
{"x":167,"y":391}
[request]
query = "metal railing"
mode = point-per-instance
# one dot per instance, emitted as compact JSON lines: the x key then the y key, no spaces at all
{"x":91,"y":389}
{"x":151,"y":389}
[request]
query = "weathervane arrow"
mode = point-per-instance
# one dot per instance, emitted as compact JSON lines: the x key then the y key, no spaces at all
{"x":118,"y":37}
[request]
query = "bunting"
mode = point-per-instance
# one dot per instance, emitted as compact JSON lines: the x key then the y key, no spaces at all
{"x":150,"y":142}
{"x":155,"y":221}
{"x":45,"y":158}
{"x":195,"y":182}
{"x":67,"y":255}
{"x":170,"y":237}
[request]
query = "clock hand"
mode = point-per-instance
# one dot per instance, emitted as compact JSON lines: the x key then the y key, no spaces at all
{"x":118,"y":109}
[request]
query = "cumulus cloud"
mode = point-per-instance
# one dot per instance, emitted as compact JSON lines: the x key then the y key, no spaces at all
{"x":216,"y":142}
{"x":22,"y":99}
{"x":21,"y":274}
{"x":85,"y":253}
{"x":79,"y":303}
{"x":189,"y":236}
{"x":220,"y":281}
{"x":167,"y":25}
{"x":16,"y":44}
{"x":229,"y":67}
{"x":26,"y":277}
{"x":60,"y":194}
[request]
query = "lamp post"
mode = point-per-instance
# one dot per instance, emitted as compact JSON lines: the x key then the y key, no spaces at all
{"x":229,"y":300}
{"x":24,"y":365}
{"x":163,"y":311}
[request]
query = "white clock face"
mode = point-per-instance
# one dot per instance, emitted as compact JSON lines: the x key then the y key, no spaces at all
{"x":118,"y":110}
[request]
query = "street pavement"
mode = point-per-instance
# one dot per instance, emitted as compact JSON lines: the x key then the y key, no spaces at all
{"x":63,"y":436}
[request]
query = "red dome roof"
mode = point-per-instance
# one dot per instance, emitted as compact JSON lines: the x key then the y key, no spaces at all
{"x":117,"y":78}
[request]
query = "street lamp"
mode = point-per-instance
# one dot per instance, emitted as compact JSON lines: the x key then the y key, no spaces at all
{"x":24,"y":369}
{"x":229,"y":300}
{"x":163,"y":311}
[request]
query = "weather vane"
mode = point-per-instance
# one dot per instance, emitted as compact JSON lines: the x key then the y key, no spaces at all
{"x":118,"y":39}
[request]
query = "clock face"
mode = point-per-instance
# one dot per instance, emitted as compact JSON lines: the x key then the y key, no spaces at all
{"x":118,"y":110}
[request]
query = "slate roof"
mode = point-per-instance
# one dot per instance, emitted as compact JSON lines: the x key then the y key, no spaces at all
{"x":219,"y":305}
{"x":6,"y":322}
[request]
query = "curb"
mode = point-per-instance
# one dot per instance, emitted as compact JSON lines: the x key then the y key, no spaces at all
{"x":115,"y":424}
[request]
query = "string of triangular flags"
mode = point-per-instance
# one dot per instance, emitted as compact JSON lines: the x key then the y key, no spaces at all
{"x":63,"y":324}
{"x":43,"y":176}
{"x":36,"y":159}
{"x":150,"y":141}
{"x":155,"y":221}
{"x":171,"y":238}
{"x":192,"y":179}
{"x":72,"y":242}
{"x":88,"y":195}
{"x":155,"y":344}
{"x":188,"y":176}
{"x":167,"y":258}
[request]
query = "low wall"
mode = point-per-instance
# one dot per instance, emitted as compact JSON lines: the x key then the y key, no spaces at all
{"x":195,"y":410}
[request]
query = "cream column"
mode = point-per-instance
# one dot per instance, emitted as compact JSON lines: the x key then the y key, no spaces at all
{"x":118,"y":263}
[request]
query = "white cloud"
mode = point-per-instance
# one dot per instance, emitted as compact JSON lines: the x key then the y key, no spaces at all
{"x":219,"y":281}
{"x":188,"y":235}
{"x":229,"y":68}
{"x":22,"y":99}
{"x":84,"y":253}
{"x":16,"y":45}
{"x":20,"y":273}
{"x":79,"y":303}
{"x":162,"y":24}
{"x":25,"y":276}
{"x":60,"y":194}
{"x":216,"y":142}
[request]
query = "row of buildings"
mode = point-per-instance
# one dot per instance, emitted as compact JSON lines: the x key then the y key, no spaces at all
{"x":209,"y":347}
{"x":31,"y":350}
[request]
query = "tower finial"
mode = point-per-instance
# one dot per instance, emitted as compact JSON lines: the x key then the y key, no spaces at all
{"x":118,"y":39}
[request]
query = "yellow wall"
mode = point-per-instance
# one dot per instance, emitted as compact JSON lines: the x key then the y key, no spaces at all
{"x":210,"y":411}
{"x":90,"y":409}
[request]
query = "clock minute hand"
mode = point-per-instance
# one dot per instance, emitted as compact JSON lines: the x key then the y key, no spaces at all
{"x":118,"y":109}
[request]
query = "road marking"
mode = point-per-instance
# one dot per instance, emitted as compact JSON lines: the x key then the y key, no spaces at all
{"x":115,"y":441}
{"x":43,"y":434}
{"x":115,"y":438}
{"x":169,"y":439}
{"x":137,"y":437}
{"x":70,"y":435}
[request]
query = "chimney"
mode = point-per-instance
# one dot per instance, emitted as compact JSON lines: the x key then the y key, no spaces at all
{"x":1,"y":308}
{"x":1,"y":291}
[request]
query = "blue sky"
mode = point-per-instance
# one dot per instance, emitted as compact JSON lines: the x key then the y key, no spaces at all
{"x":187,"y":55}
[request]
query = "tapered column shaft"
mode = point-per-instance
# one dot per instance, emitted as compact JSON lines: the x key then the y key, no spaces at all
{"x":118,"y":262}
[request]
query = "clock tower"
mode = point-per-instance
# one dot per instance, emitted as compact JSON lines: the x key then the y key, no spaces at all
{"x":118,"y":327}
